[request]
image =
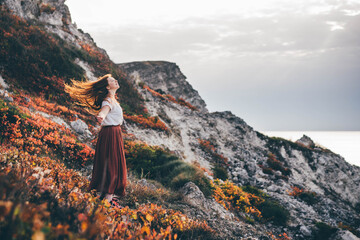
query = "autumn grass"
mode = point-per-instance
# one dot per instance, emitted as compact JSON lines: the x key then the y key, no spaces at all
{"x":40,"y":196}
{"x":152,"y":192}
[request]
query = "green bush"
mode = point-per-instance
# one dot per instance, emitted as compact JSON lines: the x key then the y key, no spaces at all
{"x":308,"y":197}
{"x":275,"y":164}
{"x":270,"y":209}
{"x":357,"y":207}
{"x":220,"y":172}
{"x":254,"y":190}
{"x":166,"y":168}
{"x":190,"y":174}
{"x":323,"y":231}
{"x":274,"y":212}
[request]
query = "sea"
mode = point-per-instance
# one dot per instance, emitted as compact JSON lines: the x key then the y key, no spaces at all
{"x":344,"y":143}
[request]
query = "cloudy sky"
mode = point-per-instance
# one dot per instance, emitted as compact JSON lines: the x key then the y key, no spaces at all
{"x":279,"y":65}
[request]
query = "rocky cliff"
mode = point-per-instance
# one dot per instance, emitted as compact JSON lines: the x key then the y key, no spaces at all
{"x":273,"y":164}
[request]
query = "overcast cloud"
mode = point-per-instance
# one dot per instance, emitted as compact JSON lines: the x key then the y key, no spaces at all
{"x":279,"y":65}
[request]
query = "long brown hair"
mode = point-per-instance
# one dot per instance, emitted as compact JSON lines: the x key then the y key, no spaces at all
{"x":89,"y":93}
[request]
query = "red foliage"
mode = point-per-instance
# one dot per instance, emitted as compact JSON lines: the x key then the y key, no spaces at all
{"x":168,"y":97}
{"x":282,"y":236}
{"x":187,"y":104}
{"x":151,"y":122}
{"x":47,"y":8}
{"x":209,"y":148}
{"x":275,"y":165}
{"x":36,"y":134}
{"x":296,"y":191}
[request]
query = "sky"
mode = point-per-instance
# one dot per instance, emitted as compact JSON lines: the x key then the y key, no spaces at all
{"x":287,"y":65}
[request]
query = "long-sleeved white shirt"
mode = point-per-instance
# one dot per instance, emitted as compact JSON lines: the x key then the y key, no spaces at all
{"x":115,"y":115}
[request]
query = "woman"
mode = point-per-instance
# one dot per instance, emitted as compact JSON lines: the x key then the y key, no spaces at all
{"x":109,"y":175}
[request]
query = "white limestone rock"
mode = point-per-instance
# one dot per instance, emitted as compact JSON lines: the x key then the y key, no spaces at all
{"x":87,"y":68}
{"x":3,"y":84}
{"x":345,"y":235}
{"x":305,"y":231}
{"x":81,"y":128}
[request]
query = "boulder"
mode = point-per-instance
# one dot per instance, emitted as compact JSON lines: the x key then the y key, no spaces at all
{"x":306,"y":141}
{"x":194,"y":197}
{"x":3,"y":83}
{"x":345,"y":235}
{"x":145,"y":183}
{"x":81,"y":128}
{"x":305,"y":231}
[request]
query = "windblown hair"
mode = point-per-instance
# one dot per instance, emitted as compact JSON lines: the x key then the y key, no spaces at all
{"x":89,"y":93}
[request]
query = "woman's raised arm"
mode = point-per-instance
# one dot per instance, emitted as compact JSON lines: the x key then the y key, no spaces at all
{"x":102,"y":114}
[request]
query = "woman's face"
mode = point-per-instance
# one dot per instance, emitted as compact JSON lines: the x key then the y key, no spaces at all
{"x":112,"y":83}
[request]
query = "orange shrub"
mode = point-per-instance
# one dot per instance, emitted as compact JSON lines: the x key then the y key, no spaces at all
{"x":232,"y":197}
{"x":296,"y":191}
{"x":282,"y":236}
{"x":151,"y":122}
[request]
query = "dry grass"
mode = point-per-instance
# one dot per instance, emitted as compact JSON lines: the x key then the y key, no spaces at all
{"x":139,"y":191}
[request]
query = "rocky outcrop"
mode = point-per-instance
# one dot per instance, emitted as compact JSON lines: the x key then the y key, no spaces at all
{"x":306,"y":141}
{"x":220,"y":219}
{"x":164,"y":77}
{"x":196,"y":198}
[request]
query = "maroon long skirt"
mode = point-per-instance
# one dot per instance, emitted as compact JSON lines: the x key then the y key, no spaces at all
{"x":109,"y":173}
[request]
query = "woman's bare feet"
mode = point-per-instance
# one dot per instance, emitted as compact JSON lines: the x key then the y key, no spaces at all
{"x":109,"y":197}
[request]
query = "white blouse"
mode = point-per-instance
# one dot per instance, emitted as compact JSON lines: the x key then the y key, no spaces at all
{"x":115,"y":115}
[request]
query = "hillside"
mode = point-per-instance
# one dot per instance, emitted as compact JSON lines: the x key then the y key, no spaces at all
{"x":192,"y":174}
